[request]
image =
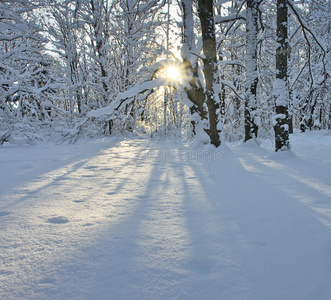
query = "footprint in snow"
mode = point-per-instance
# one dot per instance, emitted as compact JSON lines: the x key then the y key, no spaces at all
{"x":6,"y":272}
{"x":47,"y":280}
{"x":88,"y":224}
{"x":91,"y":167}
{"x":4,"y":213}
{"x":106,"y":169}
{"x":58,"y":220}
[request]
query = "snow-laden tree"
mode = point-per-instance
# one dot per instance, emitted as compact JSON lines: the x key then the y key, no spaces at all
{"x":201,"y":92}
{"x":96,"y":20}
{"x":245,"y":65}
{"x":231,"y":45}
{"x":310,"y":62}
{"x":193,"y":85}
{"x":134,"y":43}
{"x":26,"y":89}
{"x":239,"y":28}
{"x":252,"y":77}
{"x":62,"y":26}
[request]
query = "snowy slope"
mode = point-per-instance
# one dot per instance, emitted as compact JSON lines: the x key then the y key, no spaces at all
{"x":141,"y":219}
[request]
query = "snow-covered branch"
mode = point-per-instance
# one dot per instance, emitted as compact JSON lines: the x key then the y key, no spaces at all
{"x":234,"y":17}
{"x":306,"y":27}
{"x":231,"y":63}
{"x":230,"y":85}
{"x":126,"y":97}
{"x":319,"y":42}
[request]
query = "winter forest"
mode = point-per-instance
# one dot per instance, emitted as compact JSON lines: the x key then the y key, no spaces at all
{"x":165,"y":150}
{"x":240,"y":69}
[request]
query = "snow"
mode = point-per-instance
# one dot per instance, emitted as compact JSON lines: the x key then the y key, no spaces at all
{"x":281,"y":92}
{"x":161,"y":219}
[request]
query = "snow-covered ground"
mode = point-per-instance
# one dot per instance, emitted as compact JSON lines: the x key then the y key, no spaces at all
{"x":142,"y":219}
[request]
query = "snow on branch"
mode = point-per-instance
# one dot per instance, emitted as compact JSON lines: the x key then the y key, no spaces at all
{"x":298,"y":76}
{"x":231,"y":62}
{"x":234,"y":17}
{"x":234,"y":26}
{"x":150,"y":5}
{"x":19,"y":51}
{"x":320,"y":43}
{"x":306,"y":27}
{"x":126,"y":97}
{"x":18,"y":28}
{"x":233,"y":88}
{"x":220,"y":3}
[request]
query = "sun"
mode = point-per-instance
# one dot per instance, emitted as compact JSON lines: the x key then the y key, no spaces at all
{"x":172,"y":73}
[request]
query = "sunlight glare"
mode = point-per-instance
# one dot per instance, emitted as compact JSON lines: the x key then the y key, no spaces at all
{"x":172,"y":73}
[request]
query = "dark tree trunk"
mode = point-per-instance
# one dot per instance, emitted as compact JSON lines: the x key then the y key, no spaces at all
{"x":290,"y":124}
{"x":99,"y":45}
{"x":281,"y":86}
{"x":194,"y":89}
{"x":206,"y":16}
